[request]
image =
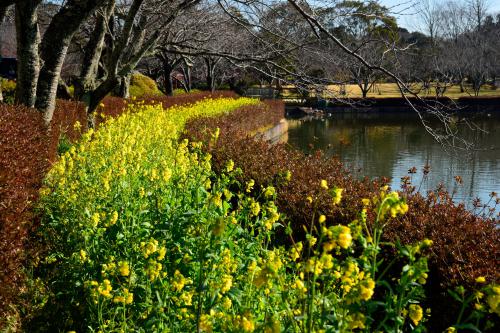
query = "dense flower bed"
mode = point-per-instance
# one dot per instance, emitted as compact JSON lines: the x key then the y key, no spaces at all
{"x":141,"y":234}
{"x":26,"y":153}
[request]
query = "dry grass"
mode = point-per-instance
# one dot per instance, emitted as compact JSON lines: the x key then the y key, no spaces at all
{"x":388,"y":90}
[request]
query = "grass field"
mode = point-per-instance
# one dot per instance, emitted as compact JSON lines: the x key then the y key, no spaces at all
{"x":387,"y":90}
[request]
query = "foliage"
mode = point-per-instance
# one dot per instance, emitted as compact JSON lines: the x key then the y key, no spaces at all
{"x":8,"y":90}
{"x":142,"y":85}
{"x":142,"y":235}
{"x":108,"y":187}
{"x":26,"y":151}
{"x":151,"y":242}
{"x":465,"y":245}
{"x":64,"y":145}
{"x":180,"y":91}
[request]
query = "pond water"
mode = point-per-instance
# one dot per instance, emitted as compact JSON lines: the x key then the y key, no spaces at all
{"x":389,"y":144}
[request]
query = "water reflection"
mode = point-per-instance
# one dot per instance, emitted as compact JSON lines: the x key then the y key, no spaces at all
{"x":389,"y":144}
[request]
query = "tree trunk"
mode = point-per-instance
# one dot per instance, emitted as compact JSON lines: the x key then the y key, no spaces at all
{"x":53,"y":50}
{"x":124,"y":87}
{"x":186,"y":72}
{"x":93,"y":98}
{"x":28,"y":39}
{"x":210,"y":75}
{"x":167,"y":78}
{"x":93,"y":52}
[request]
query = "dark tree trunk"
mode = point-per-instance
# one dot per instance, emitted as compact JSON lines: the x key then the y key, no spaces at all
{"x":124,"y":87}
{"x":28,"y":63}
{"x":167,"y":78}
{"x":186,"y":72}
{"x":93,"y":98}
{"x":210,"y":74}
{"x":53,"y":50}
{"x":93,"y":52}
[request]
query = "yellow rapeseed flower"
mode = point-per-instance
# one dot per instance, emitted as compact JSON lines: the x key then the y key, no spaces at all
{"x":415,"y":313}
{"x":124,"y":268}
{"x":481,"y":279}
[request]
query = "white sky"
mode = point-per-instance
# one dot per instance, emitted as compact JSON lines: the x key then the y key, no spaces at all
{"x":407,"y":16}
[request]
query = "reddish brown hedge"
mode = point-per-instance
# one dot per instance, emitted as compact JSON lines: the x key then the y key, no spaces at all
{"x":465,"y":245}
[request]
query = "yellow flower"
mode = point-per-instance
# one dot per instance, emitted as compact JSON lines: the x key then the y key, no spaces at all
{"x":161,"y":253}
{"x":250,"y":185}
{"x":322,"y":219}
{"x":124,"y":268}
{"x":247,"y":325}
{"x":427,"y":243}
{"x":105,"y":288}
{"x":357,"y":321}
{"x":227,"y":283}
{"x":126,"y":298}
{"x":345,"y":237}
{"x":295,"y":251}
{"x":366,"y":289}
{"x":95,"y":219}
{"x":415,"y":313}
{"x":230,"y":166}
{"x":179,"y":281}
{"x":205,"y":323}
{"x":255,"y":208}
{"x":299,"y":284}
{"x":269,"y":192}
{"x":337,"y":195}
{"x":77,"y":126}
{"x":324,"y":184}
{"x":216,"y":134}
{"x":481,"y":279}
{"x":149,"y":247}
{"x":83,"y":255}
{"x":114,"y":218}
{"x":226,"y":303}
{"x":493,"y":299}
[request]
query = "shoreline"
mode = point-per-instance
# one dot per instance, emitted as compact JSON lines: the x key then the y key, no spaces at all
{"x":390,"y":104}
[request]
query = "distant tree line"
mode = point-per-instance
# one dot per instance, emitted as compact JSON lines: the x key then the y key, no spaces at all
{"x":95,"y":45}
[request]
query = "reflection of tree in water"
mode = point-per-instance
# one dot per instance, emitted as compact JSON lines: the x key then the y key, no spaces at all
{"x":390,"y":144}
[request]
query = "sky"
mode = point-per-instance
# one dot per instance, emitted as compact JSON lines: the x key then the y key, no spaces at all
{"x":407,"y":14}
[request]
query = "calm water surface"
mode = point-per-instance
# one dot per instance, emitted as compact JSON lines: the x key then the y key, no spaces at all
{"x":389,"y":144}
